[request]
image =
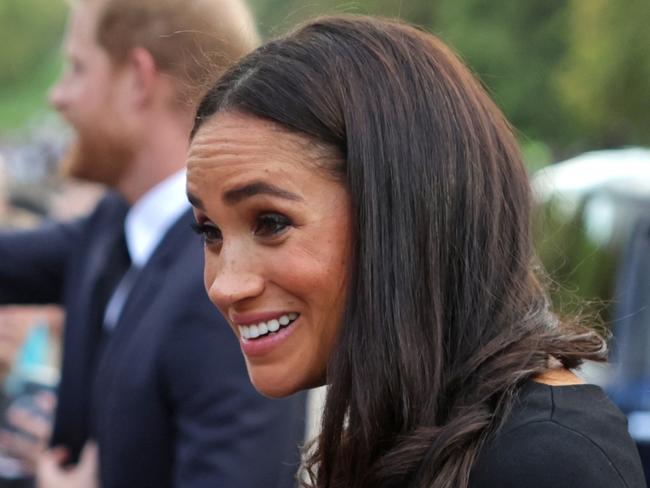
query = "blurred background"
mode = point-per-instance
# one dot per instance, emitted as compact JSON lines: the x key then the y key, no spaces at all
{"x":572,"y":76}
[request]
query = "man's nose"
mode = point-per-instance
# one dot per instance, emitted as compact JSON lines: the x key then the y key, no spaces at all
{"x":58,"y":96}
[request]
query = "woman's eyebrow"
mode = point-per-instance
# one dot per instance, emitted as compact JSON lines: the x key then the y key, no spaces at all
{"x":248,"y":190}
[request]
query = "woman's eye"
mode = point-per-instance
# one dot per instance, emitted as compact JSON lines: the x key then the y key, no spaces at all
{"x":210,"y":233}
{"x":271,"y":224}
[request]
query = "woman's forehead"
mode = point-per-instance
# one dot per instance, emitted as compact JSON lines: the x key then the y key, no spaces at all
{"x":234,"y":139}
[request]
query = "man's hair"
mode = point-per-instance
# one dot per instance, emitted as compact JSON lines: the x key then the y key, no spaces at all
{"x":193,"y":41}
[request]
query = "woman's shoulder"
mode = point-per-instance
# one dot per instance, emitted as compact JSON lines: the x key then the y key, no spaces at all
{"x":560,"y":436}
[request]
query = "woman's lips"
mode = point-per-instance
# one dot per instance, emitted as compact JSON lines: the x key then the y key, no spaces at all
{"x":262,"y":344}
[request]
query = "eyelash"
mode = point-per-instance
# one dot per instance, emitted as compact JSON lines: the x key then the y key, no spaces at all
{"x":206,"y":232}
{"x":267,"y":226}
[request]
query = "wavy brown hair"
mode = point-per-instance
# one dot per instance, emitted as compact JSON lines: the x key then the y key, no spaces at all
{"x":445,"y":318}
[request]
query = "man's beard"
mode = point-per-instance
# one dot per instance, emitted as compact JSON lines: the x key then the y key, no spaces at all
{"x":99,"y":157}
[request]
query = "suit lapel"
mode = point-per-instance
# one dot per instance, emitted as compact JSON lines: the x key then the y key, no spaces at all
{"x":146,"y":287}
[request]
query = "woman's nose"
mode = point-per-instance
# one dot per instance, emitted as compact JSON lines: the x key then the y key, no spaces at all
{"x":232,"y":282}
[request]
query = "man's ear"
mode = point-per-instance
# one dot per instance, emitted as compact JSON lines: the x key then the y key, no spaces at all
{"x":144,"y":76}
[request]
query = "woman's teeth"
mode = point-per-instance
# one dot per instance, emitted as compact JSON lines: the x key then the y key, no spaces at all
{"x":264,"y":328}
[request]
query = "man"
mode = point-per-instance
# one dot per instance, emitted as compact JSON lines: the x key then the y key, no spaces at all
{"x":150,"y":371}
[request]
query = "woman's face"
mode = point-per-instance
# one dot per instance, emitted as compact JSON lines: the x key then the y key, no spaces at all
{"x":277,"y":245}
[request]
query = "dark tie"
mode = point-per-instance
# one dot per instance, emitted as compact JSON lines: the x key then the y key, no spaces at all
{"x":117,"y":264}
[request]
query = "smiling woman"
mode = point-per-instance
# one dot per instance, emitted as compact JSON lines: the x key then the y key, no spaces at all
{"x":366,"y":219}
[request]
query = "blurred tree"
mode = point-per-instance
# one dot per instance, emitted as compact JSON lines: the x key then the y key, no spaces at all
{"x":604,"y":78}
{"x":277,"y":16}
{"x":30,"y":31}
{"x":569,"y":73}
{"x":30,"y":36}
{"x":514,"y":48}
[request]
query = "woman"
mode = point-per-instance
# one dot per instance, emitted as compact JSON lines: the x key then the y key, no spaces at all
{"x":366,"y":219}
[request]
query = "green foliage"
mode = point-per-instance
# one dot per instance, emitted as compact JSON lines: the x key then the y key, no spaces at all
{"x":30,"y":37}
{"x":19,"y":103}
{"x":571,"y":74}
{"x":606,"y":73}
{"x":536,"y":154}
{"x":278,"y":16}
{"x":514,"y":48}
{"x":30,"y":31}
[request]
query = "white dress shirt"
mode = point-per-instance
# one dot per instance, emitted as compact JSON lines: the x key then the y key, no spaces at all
{"x":152,"y":215}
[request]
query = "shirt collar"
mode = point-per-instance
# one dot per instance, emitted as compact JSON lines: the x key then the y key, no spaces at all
{"x":152,"y":215}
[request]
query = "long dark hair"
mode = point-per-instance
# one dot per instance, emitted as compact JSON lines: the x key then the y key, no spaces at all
{"x":445,"y":317}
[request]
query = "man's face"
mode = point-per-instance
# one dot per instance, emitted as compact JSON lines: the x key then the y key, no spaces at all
{"x":90,"y":95}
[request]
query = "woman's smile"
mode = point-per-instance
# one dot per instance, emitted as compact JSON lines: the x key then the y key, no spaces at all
{"x":251,"y":330}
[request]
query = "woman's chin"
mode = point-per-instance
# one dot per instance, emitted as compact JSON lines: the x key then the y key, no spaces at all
{"x":280,"y":385}
{"x":274,"y":389}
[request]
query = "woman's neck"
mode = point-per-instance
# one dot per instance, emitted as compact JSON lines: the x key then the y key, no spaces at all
{"x":558,"y":377}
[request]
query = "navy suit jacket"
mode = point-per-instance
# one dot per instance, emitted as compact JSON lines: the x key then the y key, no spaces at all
{"x":167,"y":396}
